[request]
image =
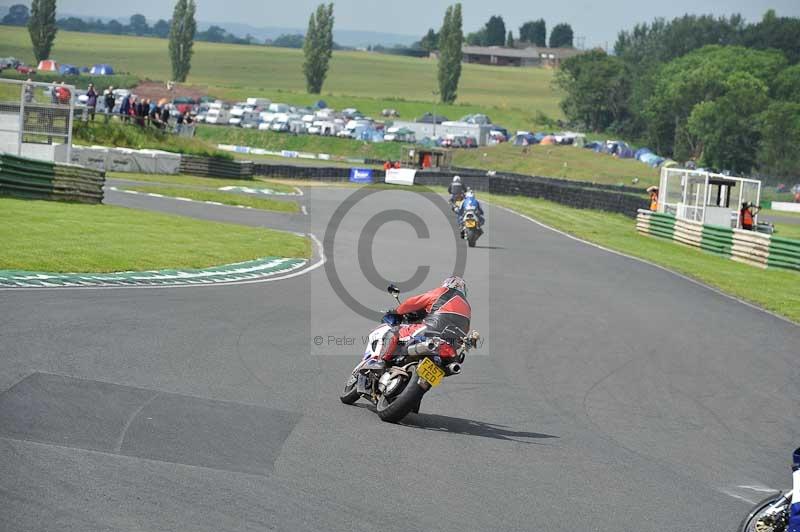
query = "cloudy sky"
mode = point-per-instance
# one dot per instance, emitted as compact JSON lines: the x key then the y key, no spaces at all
{"x":597,"y":21}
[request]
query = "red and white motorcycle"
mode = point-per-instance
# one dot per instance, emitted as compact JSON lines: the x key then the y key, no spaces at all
{"x":422,"y":364}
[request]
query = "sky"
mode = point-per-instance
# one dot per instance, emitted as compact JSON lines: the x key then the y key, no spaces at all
{"x":597,"y":22}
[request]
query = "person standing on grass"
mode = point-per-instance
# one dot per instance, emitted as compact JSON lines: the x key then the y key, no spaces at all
{"x":125,"y":108}
{"x":108,"y":99}
{"x":747,"y":215}
{"x":91,"y":100}
{"x":653,"y":191}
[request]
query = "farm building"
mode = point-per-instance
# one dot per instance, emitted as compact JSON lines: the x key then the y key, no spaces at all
{"x":526,"y":57}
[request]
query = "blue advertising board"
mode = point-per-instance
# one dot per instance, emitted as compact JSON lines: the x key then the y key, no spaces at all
{"x":360,"y":175}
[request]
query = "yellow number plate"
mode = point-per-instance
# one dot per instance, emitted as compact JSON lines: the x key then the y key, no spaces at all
{"x":471,"y":224}
{"x":430,"y":372}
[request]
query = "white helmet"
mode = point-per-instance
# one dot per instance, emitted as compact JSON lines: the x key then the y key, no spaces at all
{"x":469,"y":193}
{"x":457,"y":179}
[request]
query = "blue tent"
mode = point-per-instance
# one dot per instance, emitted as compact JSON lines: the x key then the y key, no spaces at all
{"x":640,"y":152}
{"x":594,"y":145}
{"x":523,"y":140}
{"x":102,"y":70}
{"x":320,"y":104}
{"x":84,"y":70}
{"x":68,"y":70}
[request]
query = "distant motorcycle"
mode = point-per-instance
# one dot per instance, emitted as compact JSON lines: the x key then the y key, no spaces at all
{"x":471,"y":228}
{"x":780,"y":512}
{"x":421,"y":365}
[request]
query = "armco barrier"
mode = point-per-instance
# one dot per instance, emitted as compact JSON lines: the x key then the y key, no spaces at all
{"x":535,"y":187}
{"x":748,"y":247}
{"x":216,"y":167}
{"x":28,"y":178}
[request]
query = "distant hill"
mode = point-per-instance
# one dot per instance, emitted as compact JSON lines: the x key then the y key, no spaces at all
{"x":349,"y":38}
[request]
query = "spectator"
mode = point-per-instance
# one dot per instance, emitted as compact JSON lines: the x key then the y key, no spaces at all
{"x":125,"y":108}
{"x":397,"y":164}
{"x":28,"y":91}
{"x":387,"y":165}
{"x":108,"y":99}
{"x":63,"y":94}
{"x":164,"y":118}
{"x":91,"y":100}
{"x":653,"y":191}
{"x":179,"y":123}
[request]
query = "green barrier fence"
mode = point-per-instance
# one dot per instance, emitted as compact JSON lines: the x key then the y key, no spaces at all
{"x":31,"y":179}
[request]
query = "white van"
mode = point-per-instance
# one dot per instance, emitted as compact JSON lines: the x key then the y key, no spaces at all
{"x":218,"y":113}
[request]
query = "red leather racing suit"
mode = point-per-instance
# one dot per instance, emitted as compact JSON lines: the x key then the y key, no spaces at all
{"x":447,"y":315}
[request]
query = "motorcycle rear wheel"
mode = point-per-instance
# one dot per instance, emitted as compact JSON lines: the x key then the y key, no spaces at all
{"x":749,"y":522}
{"x":350,"y":393}
{"x":394,"y":410}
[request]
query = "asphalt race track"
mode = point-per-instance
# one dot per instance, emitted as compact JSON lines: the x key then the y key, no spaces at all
{"x":609,"y":395}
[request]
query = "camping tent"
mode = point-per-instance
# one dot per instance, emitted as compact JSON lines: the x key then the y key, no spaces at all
{"x":84,"y":70}
{"x":640,"y":152}
{"x":68,"y":70}
{"x":102,"y":70}
{"x":669,"y":163}
{"x":524,"y":140}
{"x":320,"y":104}
{"x":47,"y":65}
{"x":549,"y":140}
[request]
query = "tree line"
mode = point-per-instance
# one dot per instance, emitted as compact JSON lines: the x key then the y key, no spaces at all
{"x":711,"y":89}
{"x":493,"y":33}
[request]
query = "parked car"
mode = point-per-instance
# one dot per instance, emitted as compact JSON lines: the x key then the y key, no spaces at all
{"x":24,"y":69}
{"x":429,"y":118}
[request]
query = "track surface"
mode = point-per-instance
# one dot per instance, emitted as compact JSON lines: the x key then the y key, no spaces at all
{"x":611,"y":396}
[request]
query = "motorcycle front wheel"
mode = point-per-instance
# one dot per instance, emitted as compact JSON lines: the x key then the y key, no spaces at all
{"x":749,"y":523}
{"x":350,"y":393}
{"x":394,"y":409}
{"x":472,"y":237}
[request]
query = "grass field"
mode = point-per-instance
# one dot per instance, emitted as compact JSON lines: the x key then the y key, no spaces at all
{"x":368,"y":81}
{"x":121,"y":135}
{"x":226,"y":198}
{"x":566,"y":162}
{"x":775,"y":290}
{"x":207,"y":182}
{"x":63,"y":237}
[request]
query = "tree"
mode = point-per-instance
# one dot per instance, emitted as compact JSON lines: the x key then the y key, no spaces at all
{"x":213,"y":34}
{"x":288,"y":41}
{"x":430,"y":42}
{"x":561,"y":36}
{"x":114,"y":27}
{"x":726,"y":128}
{"x":697,"y":77}
{"x":138,"y":25}
{"x":779,"y":128}
{"x":42,"y":27}
{"x":597,"y":89}
{"x":72,"y":24}
{"x":451,"y":39}
{"x":780,"y":33}
{"x":18,"y":15}
{"x":181,"y":38}
{"x":318,"y":47}
{"x":786,"y":86}
{"x":534,"y":32}
{"x":510,"y":40}
{"x":161,"y":29}
{"x":495,"y":31}
{"x":477,"y":38}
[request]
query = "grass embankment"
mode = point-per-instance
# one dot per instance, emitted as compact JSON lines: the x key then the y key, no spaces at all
{"x":123,"y":135}
{"x":566,"y":162}
{"x":513,"y":97}
{"x":208,"y":182}
{"x":775,"y":290}
{"x":226,"y":198}
{"x":64,"y":237}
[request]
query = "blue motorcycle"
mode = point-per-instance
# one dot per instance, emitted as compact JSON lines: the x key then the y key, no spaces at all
{"x":779,"y":512}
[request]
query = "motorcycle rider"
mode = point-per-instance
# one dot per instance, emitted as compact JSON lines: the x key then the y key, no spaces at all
{"x":447,"y":315}
{"x":470,"y":202}
{"x":456,"y":190}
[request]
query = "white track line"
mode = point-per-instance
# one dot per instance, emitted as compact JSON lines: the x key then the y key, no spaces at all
{"x":177,"y":198}
{"x":304,"y":210}
{"x":645,"y":261}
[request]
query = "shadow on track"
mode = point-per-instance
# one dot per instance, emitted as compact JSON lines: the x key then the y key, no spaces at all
{"x":489,"y":247}
{"x":470,"y":427}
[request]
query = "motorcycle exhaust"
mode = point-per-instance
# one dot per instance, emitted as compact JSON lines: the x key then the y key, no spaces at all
{"x":453,"y":369}
{"x":423,"y":348}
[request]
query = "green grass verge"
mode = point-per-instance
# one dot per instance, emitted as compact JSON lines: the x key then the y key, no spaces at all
{"x":209,"y":182}
{"x":787,"y":230}
{"x":514,"y":97}
{"x":775,"y":290}
{"x":226,"y":198}
{"x":566,"y":162}
{"x":64,"y":237}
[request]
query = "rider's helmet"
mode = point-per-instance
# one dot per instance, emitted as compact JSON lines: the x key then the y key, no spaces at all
{"x":456,"y":283}
{"x":457,"y":179}
{"x":469,"y":193}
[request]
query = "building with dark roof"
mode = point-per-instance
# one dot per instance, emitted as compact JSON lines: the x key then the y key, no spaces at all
{"x":524,"y":57}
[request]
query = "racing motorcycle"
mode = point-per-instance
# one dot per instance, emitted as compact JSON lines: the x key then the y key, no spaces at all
{"x":471,"y":227}
{"x":421,"y":364}
{"x":780,"y":512}
{"x":456,"y":201}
